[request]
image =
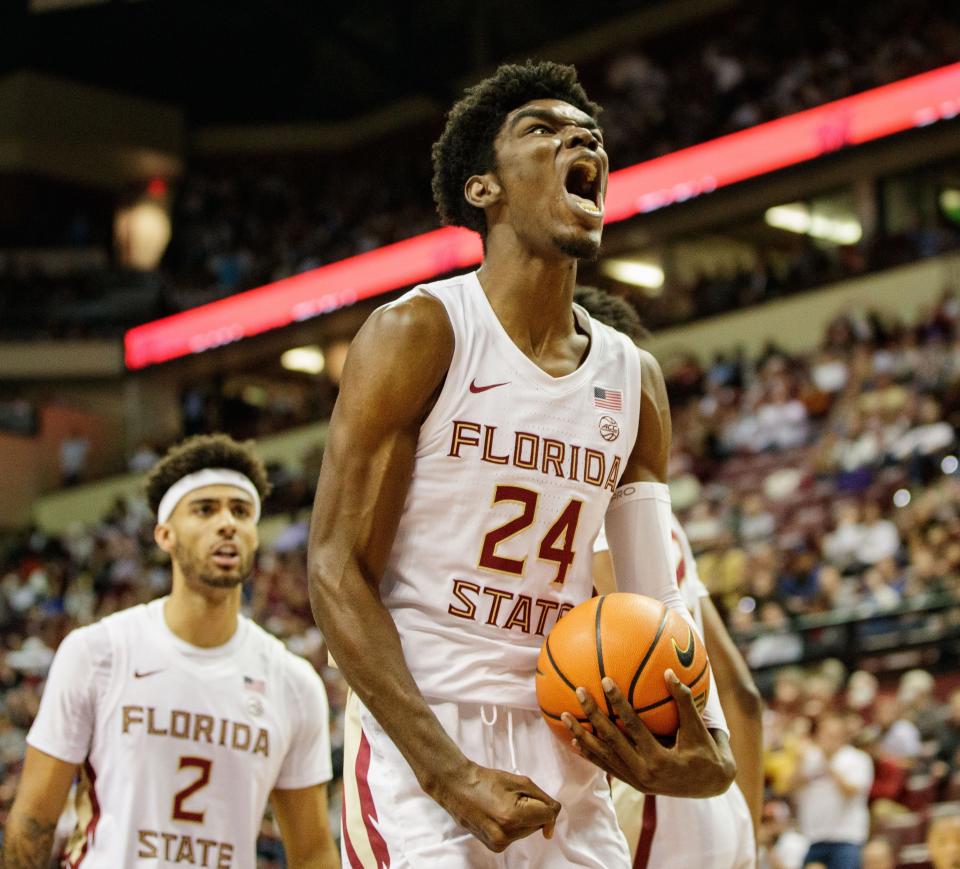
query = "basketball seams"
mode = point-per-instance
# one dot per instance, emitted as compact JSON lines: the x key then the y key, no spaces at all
{"x":599,"y":641}
{"x":669,"y":697}
{"x":581,"y":719}
{"x":560,"y":673}
{"x":648,"y":654}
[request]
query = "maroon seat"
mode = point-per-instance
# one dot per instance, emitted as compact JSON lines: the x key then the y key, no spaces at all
{"x":919,"y":792}
{"x":902,"y":830}
{"x":914,"y":857}
{"x":952,"y":792}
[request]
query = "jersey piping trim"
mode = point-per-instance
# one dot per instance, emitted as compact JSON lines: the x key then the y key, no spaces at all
{"x":647,"y":831}
{"x":449,"y":391}
{"x":367,"y":806}
{"x":94,"y":820}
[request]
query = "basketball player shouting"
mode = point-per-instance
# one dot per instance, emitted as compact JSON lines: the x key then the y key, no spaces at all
{"x":182,"y":716}
{"x":484,"y":426}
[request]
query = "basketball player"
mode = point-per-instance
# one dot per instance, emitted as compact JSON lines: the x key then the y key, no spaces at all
{"x":482,"y":429}
{"x":664,"y":832}
{"x":182,"y":717}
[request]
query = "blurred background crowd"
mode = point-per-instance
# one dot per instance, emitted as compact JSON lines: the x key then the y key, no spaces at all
{"x":815,"y":462}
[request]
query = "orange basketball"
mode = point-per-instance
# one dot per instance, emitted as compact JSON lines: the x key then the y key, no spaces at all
{"x":632,"y":639}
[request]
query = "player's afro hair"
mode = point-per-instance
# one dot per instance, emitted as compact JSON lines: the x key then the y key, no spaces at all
{"x":612,"y":311}
{"x":465,"y":147}
{"x":205,"y":451}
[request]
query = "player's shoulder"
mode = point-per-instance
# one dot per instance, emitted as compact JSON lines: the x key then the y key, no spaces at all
{"x":418,"y":317}
{"x":98,"y":634}
{"x":94,"y":646}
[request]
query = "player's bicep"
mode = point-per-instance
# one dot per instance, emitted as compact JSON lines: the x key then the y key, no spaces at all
{"x":651,"y":451}
{"x":44,"y":785}
{"x":395,"y":366}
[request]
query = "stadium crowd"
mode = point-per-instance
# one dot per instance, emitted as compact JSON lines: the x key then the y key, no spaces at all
{"x":238,"y":230}
{"x":241,"y":223}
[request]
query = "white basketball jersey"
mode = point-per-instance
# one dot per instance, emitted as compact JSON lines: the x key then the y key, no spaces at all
{"x":513,"y":473}
{"x":180,"y":746}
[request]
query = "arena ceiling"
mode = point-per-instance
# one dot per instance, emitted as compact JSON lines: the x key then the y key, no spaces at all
{"x":235,"y":61}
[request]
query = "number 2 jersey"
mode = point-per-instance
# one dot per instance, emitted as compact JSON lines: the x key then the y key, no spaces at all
{"x":180,"y":746}
{"x":513,"y":473}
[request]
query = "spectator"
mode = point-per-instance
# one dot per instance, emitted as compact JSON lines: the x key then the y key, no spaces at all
{"x":943,"y":841}
{"x":841,"y":546}
{"x":74,"y":451}
{"x":948,"y":736}
{"x":777,"y":644}
{"x":880,"y":536}
{"x":898,"y":737}
{"x":833,"y":782}
{"x":915,"y":693}
{"x":781,"y":846}
{"x":143,"y":458}
{"x":878,"y":854}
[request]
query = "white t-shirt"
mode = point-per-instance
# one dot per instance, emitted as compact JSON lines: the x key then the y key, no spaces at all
{"x":824,"y":814}
{"x":180,"y":746}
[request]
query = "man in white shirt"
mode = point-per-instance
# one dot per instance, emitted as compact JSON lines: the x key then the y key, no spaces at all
{"x":181,"y":718}
{"x":833,"y":783}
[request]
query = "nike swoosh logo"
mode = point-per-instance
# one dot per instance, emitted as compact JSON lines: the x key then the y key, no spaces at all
{"x":685,"y":656}
{"x":138,"y":675}
{"x":475,"y":388}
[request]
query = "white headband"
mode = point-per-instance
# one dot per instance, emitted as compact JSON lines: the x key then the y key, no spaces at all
{"x":207,"y":477}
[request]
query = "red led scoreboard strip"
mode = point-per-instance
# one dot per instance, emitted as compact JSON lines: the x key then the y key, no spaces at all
{"x":912,"y":102}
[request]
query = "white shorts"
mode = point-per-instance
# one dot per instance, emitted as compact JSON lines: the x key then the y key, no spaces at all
{"x":388,"y":821}
{"x":673,"y":833}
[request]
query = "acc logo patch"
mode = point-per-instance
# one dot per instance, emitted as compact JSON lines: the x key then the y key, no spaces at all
{"x":609,"y":430}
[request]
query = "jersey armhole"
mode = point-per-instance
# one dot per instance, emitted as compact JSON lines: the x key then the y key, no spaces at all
{"x":433,"y":424}
{"x":635,"y":373}
{"x":118,"y":668}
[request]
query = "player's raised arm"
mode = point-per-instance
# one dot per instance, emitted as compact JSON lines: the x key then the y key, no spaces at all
{"x":394,"y":371}
{"x":638,"y":525}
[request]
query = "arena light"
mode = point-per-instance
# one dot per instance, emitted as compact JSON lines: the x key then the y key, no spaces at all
{"x":901,"y":498}
{"x":913,"y":102}
{"x":797,"y":217}
{"x":308,"y":360}
{"x":640,"y":274}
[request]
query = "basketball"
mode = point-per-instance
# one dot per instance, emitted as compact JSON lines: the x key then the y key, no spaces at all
{"x":632,"y":639}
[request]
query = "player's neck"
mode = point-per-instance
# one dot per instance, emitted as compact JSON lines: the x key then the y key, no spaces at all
{"x":531,"y":295}
{"x":205,"y":621}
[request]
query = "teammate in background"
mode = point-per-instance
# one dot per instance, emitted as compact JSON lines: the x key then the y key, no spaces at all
{"x":719,"y":832}
{"x":483,"y":427}
{"x":181,"y":716}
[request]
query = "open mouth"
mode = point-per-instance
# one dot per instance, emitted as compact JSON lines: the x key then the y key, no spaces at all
{"x":226,"y":555}
{"x":583,"y":185}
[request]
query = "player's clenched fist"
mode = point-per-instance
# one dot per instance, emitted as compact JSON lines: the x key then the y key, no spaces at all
{"x":497,"y":807}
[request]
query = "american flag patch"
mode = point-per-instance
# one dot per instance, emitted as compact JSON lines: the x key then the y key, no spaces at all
{"x":257,"y":685}
{"x":608,"y":399}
